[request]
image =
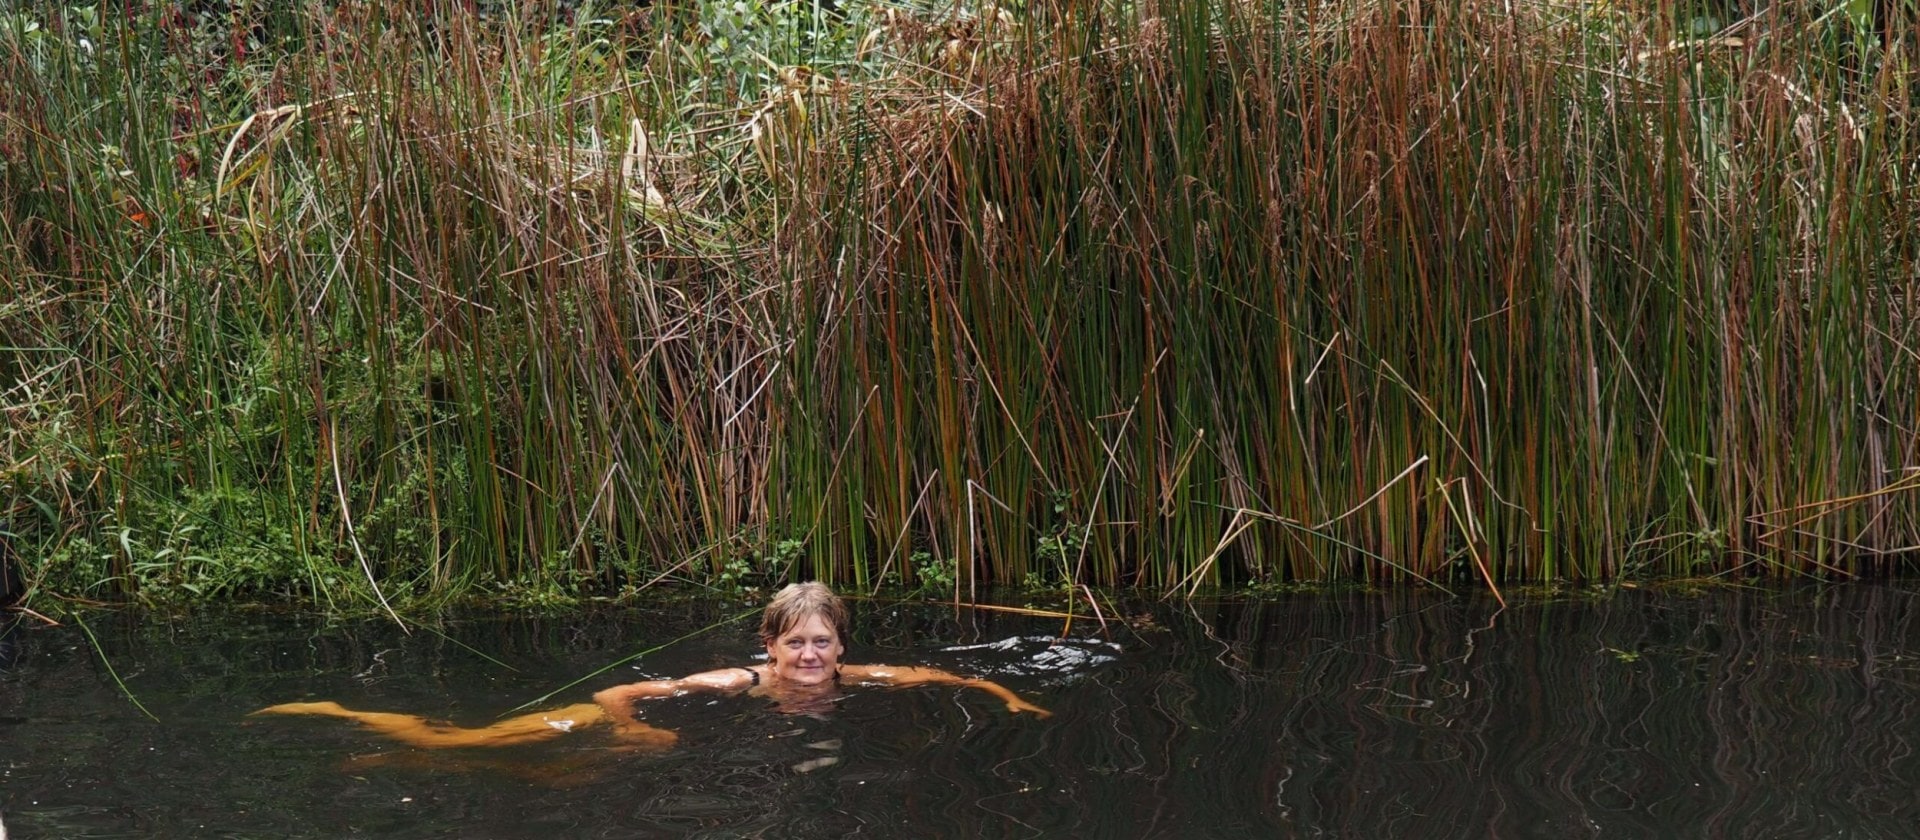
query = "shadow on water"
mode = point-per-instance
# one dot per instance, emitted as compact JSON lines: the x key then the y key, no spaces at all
{"x":1732,"y":713}
{"x":12,"y":588}
{"x":11,"y":591}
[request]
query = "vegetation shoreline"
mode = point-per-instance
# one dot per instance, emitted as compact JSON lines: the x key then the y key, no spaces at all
{"x":337,"y":305}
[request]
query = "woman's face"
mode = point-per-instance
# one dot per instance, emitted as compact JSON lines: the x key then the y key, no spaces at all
{"x":808,"y":653}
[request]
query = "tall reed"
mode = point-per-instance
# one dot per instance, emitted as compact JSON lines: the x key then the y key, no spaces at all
{"x":1172,"y":294}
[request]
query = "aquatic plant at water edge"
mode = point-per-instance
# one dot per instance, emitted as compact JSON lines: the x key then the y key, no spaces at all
{"x":316,"y":301}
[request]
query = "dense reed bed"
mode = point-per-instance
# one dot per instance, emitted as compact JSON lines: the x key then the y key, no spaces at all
{"x":347,"y":300}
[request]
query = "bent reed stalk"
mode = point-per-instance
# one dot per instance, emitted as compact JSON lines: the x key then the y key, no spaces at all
{"x":1123,"y":293}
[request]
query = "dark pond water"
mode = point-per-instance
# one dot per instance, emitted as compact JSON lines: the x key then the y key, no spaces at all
{"x":1734,"y":713}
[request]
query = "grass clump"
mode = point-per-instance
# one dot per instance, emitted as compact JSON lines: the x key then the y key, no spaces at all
{"x":327,"y":301}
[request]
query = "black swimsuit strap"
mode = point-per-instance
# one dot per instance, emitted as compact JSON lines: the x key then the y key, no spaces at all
{"x":754,"y":674}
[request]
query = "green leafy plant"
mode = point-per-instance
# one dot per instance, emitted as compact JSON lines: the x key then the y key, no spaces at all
{"x":932,"y":575}
{"x":752,"y":42}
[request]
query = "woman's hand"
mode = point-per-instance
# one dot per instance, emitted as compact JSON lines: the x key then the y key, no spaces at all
{"x":1017,"y":705}
{"x":637,"y":735}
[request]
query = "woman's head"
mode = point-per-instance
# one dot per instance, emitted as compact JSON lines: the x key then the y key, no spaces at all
{"x":805,"y":629}
{"x":796,"y":602}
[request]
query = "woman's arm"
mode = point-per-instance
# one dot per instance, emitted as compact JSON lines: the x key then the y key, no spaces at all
{"x":618,"y":701}
{"x":912,"y":675}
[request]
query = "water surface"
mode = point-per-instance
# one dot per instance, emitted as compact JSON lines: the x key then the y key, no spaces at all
{"x":1731,"y":713}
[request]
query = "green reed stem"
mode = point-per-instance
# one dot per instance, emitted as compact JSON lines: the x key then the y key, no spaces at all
{"x":111,"y":673}
{"x":612,"y":665}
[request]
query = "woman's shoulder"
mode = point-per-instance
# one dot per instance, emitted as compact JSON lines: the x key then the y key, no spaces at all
{"x":739,"y":678}
{"x":859,"y":673}
{"x":893,"y":674}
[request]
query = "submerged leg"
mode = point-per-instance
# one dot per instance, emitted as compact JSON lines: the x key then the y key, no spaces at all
{"x":524,"y":729}
{"x":571,"y":769}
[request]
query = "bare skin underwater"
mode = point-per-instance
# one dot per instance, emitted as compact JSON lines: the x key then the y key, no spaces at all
{"x":803,"y":629}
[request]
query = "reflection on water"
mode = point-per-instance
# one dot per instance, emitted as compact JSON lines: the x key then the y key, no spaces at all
{"x":1053,"y":660}
{"x":1734,"y":713}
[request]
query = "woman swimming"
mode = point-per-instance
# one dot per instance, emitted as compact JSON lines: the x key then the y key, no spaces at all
{"x":804,"y":629}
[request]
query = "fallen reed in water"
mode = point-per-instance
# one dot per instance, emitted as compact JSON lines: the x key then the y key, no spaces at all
{"x":338,"y":303}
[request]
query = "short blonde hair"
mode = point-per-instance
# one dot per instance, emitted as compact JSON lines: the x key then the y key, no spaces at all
{"x":798,"y":601}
